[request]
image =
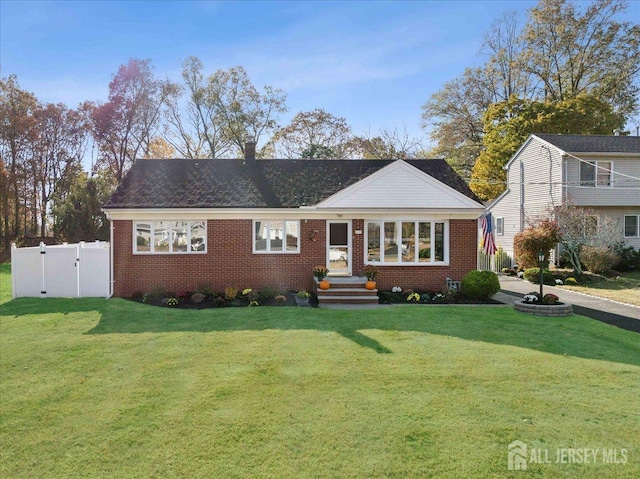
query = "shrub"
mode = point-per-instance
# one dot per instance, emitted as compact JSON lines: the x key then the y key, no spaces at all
{"x":542,"y":236}
{"x":138,"y":296}
{"x":254,"y":303}
{"x":218,"y":302}
{"x":184,"y":295}
{"x":198,"y":298}
{"x":599,"y":259}
{"x":480,"y":284}
{"x":629,"y":257}
{"x":207,"y":291}
{"x":230,"y":293}
{"x":267,"y":294}
{"x":571,"y":281}
{"x":533,"y":276}
{"x":280,"y":300}
{"x":550,"y":298}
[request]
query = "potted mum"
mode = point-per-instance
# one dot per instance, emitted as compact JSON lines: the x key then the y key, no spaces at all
{"x":371,"y":272}
{"x":320,"y":273}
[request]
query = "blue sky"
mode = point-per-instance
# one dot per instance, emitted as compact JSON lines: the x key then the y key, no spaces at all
{"x":373,"y":62}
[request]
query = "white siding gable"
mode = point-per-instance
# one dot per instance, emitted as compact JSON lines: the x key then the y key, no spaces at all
{"x":399,"y":185}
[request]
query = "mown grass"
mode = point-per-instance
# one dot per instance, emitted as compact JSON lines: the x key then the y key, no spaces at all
{"x":96,"y":388}
{"x":624,"y":288}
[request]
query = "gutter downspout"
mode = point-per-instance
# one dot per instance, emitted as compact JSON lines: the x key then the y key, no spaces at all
{"x":111,"y":276}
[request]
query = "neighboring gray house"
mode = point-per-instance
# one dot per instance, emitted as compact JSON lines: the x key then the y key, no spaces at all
{"x":599,"y":172}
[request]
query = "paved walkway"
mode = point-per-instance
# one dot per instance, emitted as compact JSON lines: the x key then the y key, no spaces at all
{"x":610,"y":312}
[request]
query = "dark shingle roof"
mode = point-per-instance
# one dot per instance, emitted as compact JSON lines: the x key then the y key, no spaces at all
{"x":593,"y":143}
{"x":262,"y":184}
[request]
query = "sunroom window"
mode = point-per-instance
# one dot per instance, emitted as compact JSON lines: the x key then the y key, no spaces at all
{"x":276,"y":236}
{"x":407,"y":242}
{"x":170,"y":237}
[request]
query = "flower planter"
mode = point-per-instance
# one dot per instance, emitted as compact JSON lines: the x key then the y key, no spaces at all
{"x":302,"y":301}
{"x":549,"y":310}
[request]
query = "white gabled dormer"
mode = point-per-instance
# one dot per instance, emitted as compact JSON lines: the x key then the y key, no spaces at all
{"x":399,"y":186}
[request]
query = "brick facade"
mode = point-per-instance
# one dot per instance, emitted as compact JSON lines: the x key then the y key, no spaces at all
{"x":229,"y":260}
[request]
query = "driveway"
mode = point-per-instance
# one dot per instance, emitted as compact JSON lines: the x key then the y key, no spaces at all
{"x":621,"y":315}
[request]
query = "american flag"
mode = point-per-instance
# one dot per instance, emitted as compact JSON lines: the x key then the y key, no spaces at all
{"x":487,"y":235}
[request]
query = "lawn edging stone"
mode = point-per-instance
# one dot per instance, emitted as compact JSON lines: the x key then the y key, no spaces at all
{"x":548,"y":310}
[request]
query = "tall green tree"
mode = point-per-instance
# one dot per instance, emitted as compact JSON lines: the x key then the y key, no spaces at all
{"x":561,"y":51}
{"x":508,"y":124}
{"x":78,"y":216}
{"x":17,"y":134}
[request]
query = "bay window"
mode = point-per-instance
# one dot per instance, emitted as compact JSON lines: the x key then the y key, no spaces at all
{"x":407,"y":242}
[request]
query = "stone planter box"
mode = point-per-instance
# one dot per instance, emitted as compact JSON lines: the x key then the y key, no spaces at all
{"x":562,"y":309}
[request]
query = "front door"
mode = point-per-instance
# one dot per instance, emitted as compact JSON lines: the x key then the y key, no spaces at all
{"x":339,"y":248}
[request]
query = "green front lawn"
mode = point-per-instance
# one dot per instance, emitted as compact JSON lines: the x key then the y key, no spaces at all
{"x":95,"y":388}
{"x":624,"y":288}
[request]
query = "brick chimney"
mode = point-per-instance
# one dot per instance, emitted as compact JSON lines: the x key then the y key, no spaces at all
{"x":249,"y":152}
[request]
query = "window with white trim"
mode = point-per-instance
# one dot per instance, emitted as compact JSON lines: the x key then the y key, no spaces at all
{"x":631,"y":226}
{"x":499,"y":225}
{"x":596,"y":173}
{"x":407,"y":242}
{"x":169,"y":237}
{"x":276,"y":236}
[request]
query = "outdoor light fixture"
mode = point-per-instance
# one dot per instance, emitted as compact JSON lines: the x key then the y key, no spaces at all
{"x":541,"y":264}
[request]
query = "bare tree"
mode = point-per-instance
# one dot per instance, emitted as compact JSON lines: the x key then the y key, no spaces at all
{"x":124,"y":126}
{"x":390,"y":144}
{"x":314,"y":134}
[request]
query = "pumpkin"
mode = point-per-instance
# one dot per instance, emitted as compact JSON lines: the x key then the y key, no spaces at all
{"x":324,"y":284}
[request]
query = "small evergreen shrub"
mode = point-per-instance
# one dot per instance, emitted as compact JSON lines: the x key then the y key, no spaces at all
{"x":480,"y":284}
{"x":571,"y":281}
{"x":533,"y":276}
{"x":629,"y":258}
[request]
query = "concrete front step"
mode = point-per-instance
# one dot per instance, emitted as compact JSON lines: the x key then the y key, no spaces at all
{"x":348,"y":292}
{"x":326,"y":299}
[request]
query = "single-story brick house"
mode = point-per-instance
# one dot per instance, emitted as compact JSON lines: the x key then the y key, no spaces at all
{"x":182,"y":223}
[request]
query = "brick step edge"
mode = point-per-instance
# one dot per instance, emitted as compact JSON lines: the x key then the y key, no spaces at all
{"x":347,"y":299}
{"x":352,"y":291}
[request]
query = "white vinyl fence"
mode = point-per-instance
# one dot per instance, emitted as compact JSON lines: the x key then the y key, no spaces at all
{"x":502,"y":259}
{"x":64,"y":271}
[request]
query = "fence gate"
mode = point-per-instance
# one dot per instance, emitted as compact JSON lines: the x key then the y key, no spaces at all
{"x":65,"y":271}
